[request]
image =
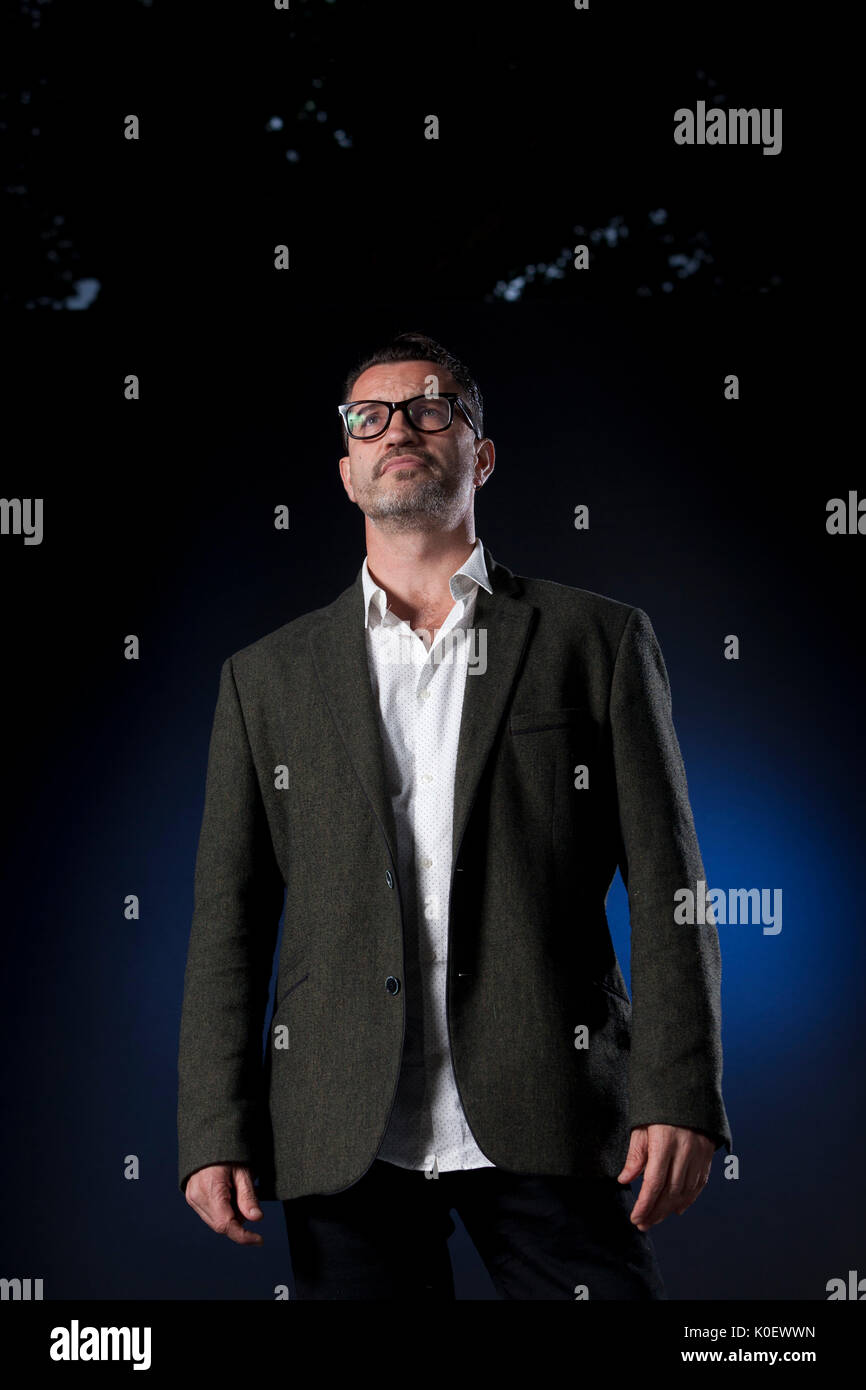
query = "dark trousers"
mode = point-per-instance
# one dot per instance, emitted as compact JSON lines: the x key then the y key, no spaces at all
{"x":539,"y":1237}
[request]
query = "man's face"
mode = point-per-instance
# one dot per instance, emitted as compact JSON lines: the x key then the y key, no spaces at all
{"x":407,"y":479}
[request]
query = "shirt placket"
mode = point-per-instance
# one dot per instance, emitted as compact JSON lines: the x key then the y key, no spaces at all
{"x":434,"y":855}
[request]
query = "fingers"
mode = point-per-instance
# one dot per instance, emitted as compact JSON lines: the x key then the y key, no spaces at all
{"x":246,"y":1199}
{"x":659,"y":1157}
{"x":677,"y":1170}
{"x":637,"y":1151}
{"x":699,"y":1177}
{"x":223,"y":1196}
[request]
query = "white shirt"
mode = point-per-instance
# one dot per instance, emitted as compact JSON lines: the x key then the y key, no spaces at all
{"x":419,"y":686}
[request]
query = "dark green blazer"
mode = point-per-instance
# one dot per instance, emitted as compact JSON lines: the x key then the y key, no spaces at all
{"x":572,"y":679}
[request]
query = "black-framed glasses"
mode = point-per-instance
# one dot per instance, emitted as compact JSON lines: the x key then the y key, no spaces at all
{"x":370,"y":419}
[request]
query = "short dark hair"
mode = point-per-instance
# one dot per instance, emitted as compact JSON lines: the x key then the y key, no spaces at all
{"x":418,"y":347}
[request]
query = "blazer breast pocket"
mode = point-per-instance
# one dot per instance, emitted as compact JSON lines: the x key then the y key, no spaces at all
{"x":545,"y":744}
{"x":563,"y":748}
{"x":539,"y":720}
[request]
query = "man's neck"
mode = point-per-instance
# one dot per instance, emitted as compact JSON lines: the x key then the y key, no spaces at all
{"x":414,"y":569}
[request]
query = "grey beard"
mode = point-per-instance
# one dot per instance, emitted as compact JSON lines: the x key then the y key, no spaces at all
{"x":409,"y":508}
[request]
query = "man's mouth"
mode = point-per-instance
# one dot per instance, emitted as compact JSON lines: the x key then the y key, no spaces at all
{"x":405,"y":460}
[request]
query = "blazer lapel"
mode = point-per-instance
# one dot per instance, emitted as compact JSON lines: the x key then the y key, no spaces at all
{"x":339,"y":653}
{"x":505,"y":617}
{"x":339,"y":649}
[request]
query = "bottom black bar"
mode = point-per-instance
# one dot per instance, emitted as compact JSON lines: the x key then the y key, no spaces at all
{"x":227,"y":1338}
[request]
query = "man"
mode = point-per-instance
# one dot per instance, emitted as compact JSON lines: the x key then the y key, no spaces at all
{"x":442,"y":770}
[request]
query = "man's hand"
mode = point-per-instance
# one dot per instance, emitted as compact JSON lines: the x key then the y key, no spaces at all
{"x":219,"y":1194}
{"x":677,"y":1161}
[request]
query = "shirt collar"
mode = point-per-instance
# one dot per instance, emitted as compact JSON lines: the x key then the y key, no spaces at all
{"x":471,"y":574}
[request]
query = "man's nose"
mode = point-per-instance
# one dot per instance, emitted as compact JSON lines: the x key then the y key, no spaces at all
{"x":400,"y":429}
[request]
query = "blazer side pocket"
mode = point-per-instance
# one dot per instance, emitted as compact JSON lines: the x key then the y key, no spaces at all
{"x":608,"y":989}
{"x":285,"y":994}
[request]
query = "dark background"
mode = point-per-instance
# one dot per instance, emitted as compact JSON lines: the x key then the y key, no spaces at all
{"x":603,"y":387}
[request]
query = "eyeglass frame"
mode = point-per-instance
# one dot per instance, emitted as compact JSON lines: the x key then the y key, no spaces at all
{"x":452,"y":397}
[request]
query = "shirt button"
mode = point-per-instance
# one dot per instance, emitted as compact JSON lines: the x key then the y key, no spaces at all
{"x":392,"y":984}
{"x":426,"y":863}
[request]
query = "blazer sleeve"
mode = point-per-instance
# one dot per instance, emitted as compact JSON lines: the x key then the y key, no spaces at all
{"x":238,"y":900}
{"x":675,"y":1068}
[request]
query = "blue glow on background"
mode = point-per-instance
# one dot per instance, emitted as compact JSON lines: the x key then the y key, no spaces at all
{"x":758,"y":834}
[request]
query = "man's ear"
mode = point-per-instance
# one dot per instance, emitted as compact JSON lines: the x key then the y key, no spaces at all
{"x":485,"y":456}
{"x":344,"y":474}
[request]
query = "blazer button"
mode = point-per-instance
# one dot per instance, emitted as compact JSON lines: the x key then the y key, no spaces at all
{"x":392,"y":985}
{"x":389,"y":878}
